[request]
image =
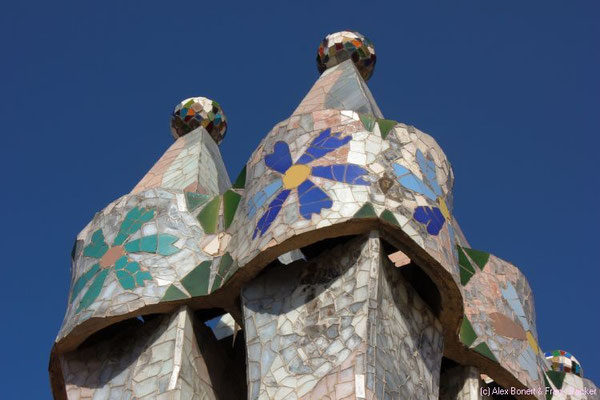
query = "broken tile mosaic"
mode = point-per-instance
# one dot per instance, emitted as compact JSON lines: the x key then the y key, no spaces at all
{"x":332,"y":268}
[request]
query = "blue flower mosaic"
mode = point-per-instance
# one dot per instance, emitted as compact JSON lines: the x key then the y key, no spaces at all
{"x":433,"y":217}
{"x":295,"y":176}
{"x":129,"y":274}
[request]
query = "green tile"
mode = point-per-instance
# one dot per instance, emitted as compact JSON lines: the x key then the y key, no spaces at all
{"x":83,"y":280}
{"x":165,"y":244}
{"x":121,"y":262}
{"x":385,"y":126}
{"x":125,"y":279}
{"x":142,"y":276}
{"x":196,"y":281}
{"x":173,"y":293}
{"x":132,"y":267}
{"x":465,"y":276}
{"x":216,"y":283}
{"x":209,"y":215}
{"x":93,"y":291}
{"x":134,"y":220}
{"x":133,"y":246}
{"x":479,"y":257}
{"x":159,"y":244}
{"x":97,"y":247}
{"x":224,"y":267}
{"x":149,"y":244}
{"x":367,"y":121}
{"x":231,"y":200}
{"x":483,"y":349}
{"x":467,"y":333}
{"x":463,"y":261}
{"x":195,"y":200}
{"x":557,"y":378}
{"x":225,"y":263}
{"x":366,"y":211}
{"x":388,"y":216}
{"x":146,"y":244}
{"x":465,"y":267}
{"x":240,"y":182}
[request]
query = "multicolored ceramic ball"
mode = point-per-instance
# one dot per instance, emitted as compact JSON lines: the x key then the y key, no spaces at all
{"x":199,"y":112}
{"x":563,"y":361}
{"x":347,"y":45}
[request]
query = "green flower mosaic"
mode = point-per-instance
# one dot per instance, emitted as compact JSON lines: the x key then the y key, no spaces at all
{"x":128,"y":273}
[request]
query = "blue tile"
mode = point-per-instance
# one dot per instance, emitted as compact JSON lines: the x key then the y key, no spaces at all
{"x":280,"y":159}
{"x":430,"y":216}
{"x":323,"y":171}
{"x":347,"y":173}
{"x":511,"y":296}
{"x":262,"y":196}
{"x":527,"y":360}
{"x":354,"y":174}
{"x":312,"y":199}
{"x":269,"y":216}
{"x":411,"y":182}
{"x":325,"y":143}
{"x":428,"y":169}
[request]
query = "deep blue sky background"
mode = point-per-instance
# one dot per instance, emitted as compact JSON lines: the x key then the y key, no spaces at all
{"x":510,"y":90}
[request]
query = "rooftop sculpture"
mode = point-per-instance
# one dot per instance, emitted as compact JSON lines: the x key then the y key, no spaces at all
{"x":332,"y":268}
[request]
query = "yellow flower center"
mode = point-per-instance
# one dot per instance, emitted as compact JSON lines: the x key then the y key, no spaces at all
{"x":295,"y":175}
{"x":444,"y":208}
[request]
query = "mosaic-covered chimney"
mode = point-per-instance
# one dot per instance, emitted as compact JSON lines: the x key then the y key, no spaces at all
{"x":332,"y":268}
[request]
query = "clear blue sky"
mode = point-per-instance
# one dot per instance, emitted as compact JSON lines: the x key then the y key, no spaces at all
{"x":510,"y":90}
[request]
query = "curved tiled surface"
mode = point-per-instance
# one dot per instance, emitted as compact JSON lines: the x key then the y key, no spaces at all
{"x":500,"y":316}
{"x":130,"y":253}
{"x":187,"y":236}
{"x":349,"y":169}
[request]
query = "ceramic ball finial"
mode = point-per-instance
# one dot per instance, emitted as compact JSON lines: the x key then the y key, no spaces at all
{"x":199,"y":111}
{"x":347,"y":45}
